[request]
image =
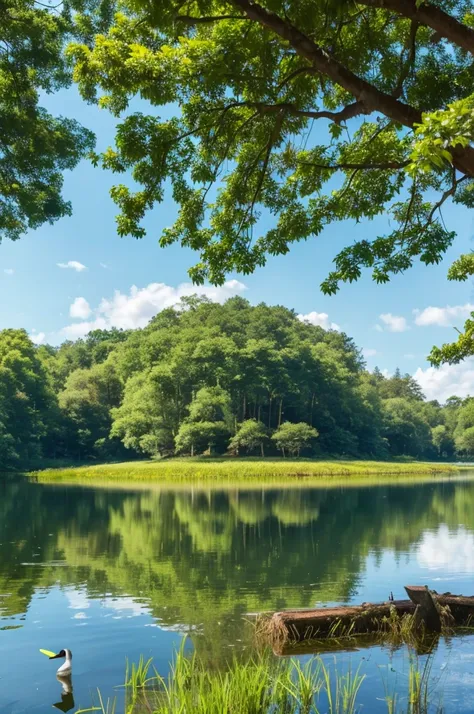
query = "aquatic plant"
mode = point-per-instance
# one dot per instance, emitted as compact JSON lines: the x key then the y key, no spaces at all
{"x":136,"y":676}
{"x":265,"y":685}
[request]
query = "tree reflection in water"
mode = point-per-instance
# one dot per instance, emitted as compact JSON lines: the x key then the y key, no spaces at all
{"x":200,"y":557}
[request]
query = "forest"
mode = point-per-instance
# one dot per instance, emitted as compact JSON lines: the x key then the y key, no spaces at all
{"x":207,"y":378}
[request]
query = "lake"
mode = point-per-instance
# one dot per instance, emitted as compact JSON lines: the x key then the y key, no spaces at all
{"x":112,"y":573}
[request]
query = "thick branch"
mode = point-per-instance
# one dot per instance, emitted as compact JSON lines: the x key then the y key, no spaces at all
{"x":371,"y":97}
{"x":352,"y":110}
{"x":368,"y":95}
{"x":444,"y":24}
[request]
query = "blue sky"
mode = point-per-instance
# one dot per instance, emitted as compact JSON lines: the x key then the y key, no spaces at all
{"x":53,"y":303}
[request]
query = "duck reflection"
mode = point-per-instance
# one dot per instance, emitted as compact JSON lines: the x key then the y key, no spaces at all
{"x":67,"y":698}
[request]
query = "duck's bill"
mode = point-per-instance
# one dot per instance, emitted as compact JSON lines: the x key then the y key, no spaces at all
{"x":49,"y":654}
{"x":56,"y":656}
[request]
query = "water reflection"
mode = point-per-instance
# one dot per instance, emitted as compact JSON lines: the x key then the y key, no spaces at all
{"x":127,"y":572}
{"x":187,"y":556}
{"x":447,"y":551}
{"x":67,"y":698}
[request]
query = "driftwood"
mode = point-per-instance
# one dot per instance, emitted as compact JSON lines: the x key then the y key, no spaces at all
{"x":431,"y":610}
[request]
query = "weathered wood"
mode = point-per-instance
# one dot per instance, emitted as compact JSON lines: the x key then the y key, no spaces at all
{"x":427,"y":612}
{"x":461,"y":607}
{"x":338,"y":621}
{"x":301,"y":625}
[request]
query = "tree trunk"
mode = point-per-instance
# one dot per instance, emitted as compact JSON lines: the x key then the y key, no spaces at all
{"x":311,"y":411}
{"x":244,"y":407}
{"x":192,"y":449}
{"x":261,"y":450}
{"x":280,"y":409}
{"x":270,"y":413}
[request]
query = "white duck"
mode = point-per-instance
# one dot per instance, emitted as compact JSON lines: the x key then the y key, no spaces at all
{"x":66,"y":668}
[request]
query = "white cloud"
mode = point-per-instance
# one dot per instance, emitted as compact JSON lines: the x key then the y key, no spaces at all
{"x":369,"y":352}
{"x":448,"y":551}
{"x":443,"y":316}
{"x":73,"y":264}
{"x":104,"y":265}
{"x":80,"y":329}
{"x":319,"y":319}
{"x":80,"y":309}
{"x":394,"y":323}
{"x":37,"y":337}
{"x":78,"y":599}
{"x":128,"y":604}
{"x":8,"y":271}
{"x":441,"y":383}
{"x":141,"y":304}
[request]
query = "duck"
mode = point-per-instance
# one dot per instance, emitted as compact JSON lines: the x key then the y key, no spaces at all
{"x":65,"y":669}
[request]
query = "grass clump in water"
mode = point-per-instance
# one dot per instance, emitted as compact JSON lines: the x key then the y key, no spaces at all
{"x":259,"y":686}
{"x":264,"y":685}
{"x":421,"y":690}
{"x":136,"y":675}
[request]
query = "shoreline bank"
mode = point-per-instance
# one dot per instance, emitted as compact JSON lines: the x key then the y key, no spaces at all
{"x":243,"y":469}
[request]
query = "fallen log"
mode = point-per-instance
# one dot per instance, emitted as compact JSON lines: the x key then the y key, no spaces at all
{"x":301,"y":625}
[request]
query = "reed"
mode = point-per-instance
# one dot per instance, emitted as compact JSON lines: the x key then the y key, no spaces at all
{"x":136,"y":675}
{"x":264,"y":685}
{"x":422,"y":695}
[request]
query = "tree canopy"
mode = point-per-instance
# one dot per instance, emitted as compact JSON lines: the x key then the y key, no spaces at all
{"x":36,"y":147}
{"x":272,"y":102}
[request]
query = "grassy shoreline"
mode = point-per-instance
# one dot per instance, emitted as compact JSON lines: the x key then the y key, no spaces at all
{"x":225,"y":469}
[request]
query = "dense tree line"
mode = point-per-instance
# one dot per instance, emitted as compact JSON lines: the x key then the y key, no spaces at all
{"x":210,"y":378}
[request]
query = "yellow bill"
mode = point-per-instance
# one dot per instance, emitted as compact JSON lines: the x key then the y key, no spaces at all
{"x":48,"y":653}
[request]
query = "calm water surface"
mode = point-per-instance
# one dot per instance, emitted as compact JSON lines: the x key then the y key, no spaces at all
{"x":115,"y":573}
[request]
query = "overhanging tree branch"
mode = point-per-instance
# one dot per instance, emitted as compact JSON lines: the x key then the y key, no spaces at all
{"x":427,"y":14}
{"x":363,"y":91}
{"x":372,"y":98}
{"x":348,"y":112}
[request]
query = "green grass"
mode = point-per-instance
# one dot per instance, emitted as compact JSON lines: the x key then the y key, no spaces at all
{"x":264,"y":685}
{"x":235,"y":469}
